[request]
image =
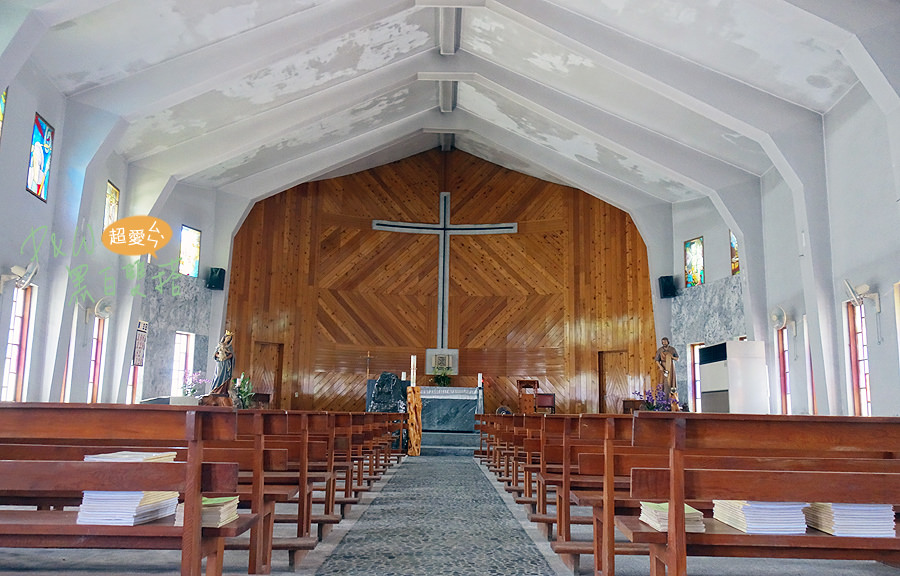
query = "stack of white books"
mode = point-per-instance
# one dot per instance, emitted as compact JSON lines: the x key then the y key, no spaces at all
{"x":656,"y":515}
{"x":216,"y":512}
{"x":127,"y":508}
{"x":755,"y":517}
{"x":868,"y":520}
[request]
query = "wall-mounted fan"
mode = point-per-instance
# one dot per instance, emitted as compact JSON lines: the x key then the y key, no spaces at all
{"x":22,"y":276}
{"x":104,"y":307}
{"x":852,"y":293}
{"x":778,"y":317}
{"x":858,"y":295}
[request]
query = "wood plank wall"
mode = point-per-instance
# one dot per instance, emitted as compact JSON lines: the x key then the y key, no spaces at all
{"x":309,"y":272}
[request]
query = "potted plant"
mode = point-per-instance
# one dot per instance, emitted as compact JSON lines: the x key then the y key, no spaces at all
{"x":441,"y":377}
{"x":243,"y":389}
{"x":660,"y":400}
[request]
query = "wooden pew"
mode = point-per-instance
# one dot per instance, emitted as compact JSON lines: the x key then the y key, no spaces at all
{"x":151,"y":426}
{"x":583,"y":436}
{"x":806,"y":458}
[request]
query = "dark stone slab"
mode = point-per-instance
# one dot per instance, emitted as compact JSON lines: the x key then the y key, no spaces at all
{"x":386,"y":394}
{"x":449,"y":409}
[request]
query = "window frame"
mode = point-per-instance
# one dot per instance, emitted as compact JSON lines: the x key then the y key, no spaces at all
{"x":21,"y":320}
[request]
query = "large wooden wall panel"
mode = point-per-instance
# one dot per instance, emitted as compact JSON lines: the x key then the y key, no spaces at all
{"x":345,"y":301}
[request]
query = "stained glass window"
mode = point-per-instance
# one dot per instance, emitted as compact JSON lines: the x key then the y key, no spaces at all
{"x":39,"y":162}
{"x":2,"y":108}
{"x":111,"y":211}
{"x":190,"y":252}
{"x":693,"y":262}
{"x":735,"y":259}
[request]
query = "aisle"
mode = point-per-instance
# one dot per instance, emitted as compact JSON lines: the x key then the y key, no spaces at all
{"x":437,"y":515}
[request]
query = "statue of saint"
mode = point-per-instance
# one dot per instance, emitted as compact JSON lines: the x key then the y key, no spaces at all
{"x":224,"y":357}
{"x":666,"y":356}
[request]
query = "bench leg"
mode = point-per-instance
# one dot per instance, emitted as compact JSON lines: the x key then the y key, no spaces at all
{"x":657,"y":560}
{"x":215,"y":558}
{"x":261,"y":541}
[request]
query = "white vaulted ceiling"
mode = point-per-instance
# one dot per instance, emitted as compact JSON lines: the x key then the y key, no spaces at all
{"x":660,"y":97}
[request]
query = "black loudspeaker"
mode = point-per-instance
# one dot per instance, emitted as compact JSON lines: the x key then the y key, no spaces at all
{"x":216,"y":279}
{"x":667,"y":287}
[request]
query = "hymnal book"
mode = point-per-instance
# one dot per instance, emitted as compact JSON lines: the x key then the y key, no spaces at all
{"x":131,"y":456}
{"x":755,"y":517}
{"x":867,"y":520}
{"x":656,"y":515}
{"x":216,"y":512}
{"x":127,"y":508}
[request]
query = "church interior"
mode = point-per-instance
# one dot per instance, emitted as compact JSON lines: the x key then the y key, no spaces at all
{"x":530,"y":190}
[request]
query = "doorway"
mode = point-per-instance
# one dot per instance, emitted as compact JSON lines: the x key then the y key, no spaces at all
{"x":265,"y":372}
{"x":613,"y":380}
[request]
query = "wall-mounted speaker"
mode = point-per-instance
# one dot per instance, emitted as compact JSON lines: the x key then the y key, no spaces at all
{"x":667,"y":287}
{"x":216,"y":279}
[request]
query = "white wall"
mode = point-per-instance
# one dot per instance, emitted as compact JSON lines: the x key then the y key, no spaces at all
{"x":784,"y":288}
{"x":865,"y":232}
{"x":24,"y":213}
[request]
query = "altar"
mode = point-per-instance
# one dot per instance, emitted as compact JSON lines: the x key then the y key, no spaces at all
{"x":450,"y":409}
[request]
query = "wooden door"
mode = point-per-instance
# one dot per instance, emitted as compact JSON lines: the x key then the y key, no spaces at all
{"x":265,"y":371}
{"x":613,"y":370}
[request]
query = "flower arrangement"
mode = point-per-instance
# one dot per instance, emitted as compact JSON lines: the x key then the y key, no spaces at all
{"x":660,"y":400}
{"x":195,"y":383}
{"x":441,"y":376}
{"x":243,"y":389}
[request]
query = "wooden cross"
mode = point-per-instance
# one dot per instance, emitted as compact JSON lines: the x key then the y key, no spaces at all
{"x":444,"y":229}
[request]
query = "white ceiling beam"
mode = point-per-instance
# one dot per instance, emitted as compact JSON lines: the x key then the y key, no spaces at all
{"x":449,"y":21}
{"x":609,"y":130}
{"x":56,"y":12}
{"x":622,"y":195}
{"x":726,"y":101}
{"x":328,"y":158}
{"x":415,"y":143}
{"x":450,"y":3}
{"x":184,"y":159}
{"x":447,"y":95}
{"x":22,"y":30}
{"x":180,"y":79}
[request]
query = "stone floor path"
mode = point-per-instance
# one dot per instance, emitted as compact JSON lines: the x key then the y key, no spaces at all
{"x":437,"y":515}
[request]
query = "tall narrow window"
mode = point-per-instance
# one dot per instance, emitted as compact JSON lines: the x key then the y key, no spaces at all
{"x":2,"y":109}
{"x":695,"y":376}
{"x":693,"y":262}
{"x":111,"y":207}
{"x":135,"y":385}
{"x":190,"y":252}
{"x":98,"y":346}
{"x":66,"y":392}
{"x":183,"y":361}
{"x":18,"y":353}
{"x":735,"y":258}
{"x":784,"y":369}
{"x":39,"y":160}
{"x":859,"y":359}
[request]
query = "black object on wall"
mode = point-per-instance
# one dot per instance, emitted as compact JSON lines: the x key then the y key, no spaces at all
{"x":667,"y":287}
{"x":216,"y":279}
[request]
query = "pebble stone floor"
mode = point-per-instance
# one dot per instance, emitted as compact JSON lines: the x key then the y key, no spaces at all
{"x":437,"y":515}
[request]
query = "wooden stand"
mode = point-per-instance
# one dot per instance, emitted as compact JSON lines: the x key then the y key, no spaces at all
{"x":530,"y":400}
{"x":414,"y":421}
{"x":527,"y":391}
